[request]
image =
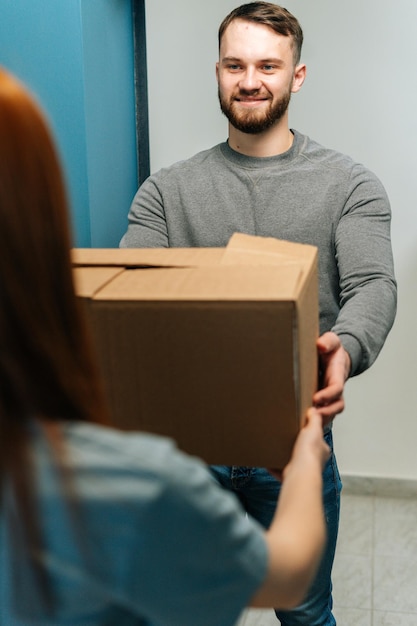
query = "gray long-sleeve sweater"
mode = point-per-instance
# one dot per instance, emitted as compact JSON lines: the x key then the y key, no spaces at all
{"x":309,"y":194}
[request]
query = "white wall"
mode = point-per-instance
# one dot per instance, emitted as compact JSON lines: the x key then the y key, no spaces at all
{"x":360,"y":97}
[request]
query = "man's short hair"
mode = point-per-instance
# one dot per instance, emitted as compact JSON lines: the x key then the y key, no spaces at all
{"x":272,"y":15}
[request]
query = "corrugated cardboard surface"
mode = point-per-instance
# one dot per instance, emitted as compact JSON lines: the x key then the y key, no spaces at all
{"x":215,"y":348}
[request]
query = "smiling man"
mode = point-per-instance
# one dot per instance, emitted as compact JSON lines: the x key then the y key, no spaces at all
{"x":256,"y":80}
{"x":270,"y":180}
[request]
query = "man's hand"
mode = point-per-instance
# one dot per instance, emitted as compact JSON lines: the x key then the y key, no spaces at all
{"x":335,"y":366}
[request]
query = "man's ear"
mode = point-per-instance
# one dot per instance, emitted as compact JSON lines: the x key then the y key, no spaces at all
{"x":299,"y":77}
{"x":217,"y":72}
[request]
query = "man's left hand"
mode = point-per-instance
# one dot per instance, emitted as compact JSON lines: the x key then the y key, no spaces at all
{"x":335,"y":366}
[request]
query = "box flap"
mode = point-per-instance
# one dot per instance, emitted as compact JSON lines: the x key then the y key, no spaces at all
{"x":204,"y":283}
{"x":89,"y":280}
{"x":253,"y":250}
{"x":146,"y":257}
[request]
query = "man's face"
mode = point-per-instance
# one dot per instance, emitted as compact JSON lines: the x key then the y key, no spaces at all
{"x":255,"y":76}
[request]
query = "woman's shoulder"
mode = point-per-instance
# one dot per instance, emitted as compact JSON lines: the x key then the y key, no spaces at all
{"x":132,"y":450}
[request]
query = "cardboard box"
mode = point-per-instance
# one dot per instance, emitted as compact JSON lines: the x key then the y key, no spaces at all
{"x":215,"y":348}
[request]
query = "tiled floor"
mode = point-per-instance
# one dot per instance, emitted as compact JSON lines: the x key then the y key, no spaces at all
{"x":375,"y":570}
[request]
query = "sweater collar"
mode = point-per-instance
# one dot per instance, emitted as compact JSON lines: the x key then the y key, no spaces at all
{"x":242,"y":160}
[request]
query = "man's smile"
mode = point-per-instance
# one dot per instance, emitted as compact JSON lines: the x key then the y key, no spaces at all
{"x":251,"y":101}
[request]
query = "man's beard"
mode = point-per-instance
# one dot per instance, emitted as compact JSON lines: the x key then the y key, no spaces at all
{"x":254,"y":122}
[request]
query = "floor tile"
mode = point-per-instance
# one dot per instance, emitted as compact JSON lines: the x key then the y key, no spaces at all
{"x":395,"y":527}
{"x":352,"y":617}
{"x":395,"y":545}
{"x":352,"y":581}
{"x":394,"y":619}
{"x":356,"y":525}
{"x":395,"y":583}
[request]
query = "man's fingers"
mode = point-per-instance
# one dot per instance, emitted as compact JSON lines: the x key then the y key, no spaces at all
{"x":328,"y":412}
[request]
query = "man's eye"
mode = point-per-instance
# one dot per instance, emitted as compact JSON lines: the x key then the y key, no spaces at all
{"x":268,"y":68}
{"x":233,"y":67}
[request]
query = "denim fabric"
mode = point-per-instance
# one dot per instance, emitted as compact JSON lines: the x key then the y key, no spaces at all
{"x":258,"y":491}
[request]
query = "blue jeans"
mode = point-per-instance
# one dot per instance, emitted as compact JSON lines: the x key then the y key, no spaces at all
{"x":258,"y":491}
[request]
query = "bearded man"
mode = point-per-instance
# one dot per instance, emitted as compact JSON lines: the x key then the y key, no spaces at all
{"x":270,"y":180}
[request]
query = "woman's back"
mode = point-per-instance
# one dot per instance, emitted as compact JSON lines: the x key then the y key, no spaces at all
{"x":135,"y":537}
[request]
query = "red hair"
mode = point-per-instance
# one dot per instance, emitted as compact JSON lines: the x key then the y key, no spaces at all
{"x":46,"y":367}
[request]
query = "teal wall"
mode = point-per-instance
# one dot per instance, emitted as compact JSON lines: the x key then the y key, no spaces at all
{"x":77,"y":57}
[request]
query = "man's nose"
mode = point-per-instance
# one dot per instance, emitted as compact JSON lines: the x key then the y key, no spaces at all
{"x":250,"y":80}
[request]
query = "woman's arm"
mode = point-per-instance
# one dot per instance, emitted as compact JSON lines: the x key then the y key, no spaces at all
{"x":297,"y":534}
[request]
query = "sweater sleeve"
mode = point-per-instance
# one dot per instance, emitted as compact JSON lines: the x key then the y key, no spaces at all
{"x":147,"y":227}
{"x":368,"y":291}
